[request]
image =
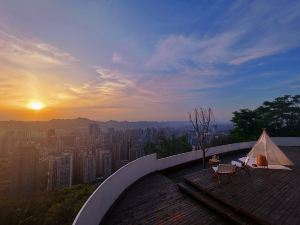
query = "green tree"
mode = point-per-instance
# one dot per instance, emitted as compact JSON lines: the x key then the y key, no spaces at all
{"x":168,"y":145}
{"x":150,"y":147}
{"x":48,"y":208}
{"x":280,"y":117}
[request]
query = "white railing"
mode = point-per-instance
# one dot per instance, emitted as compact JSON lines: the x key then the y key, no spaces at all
{"x":108,"y":192}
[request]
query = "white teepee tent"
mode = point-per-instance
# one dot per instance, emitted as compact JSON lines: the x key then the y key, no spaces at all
{"x":265,"y":146}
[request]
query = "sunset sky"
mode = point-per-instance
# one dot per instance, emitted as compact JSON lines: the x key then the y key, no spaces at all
{"x":145,"y":60}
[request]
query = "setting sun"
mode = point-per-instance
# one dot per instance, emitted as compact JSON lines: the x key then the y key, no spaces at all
{"x":36,"y":105}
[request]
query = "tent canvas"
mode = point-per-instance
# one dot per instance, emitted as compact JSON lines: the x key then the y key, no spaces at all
{"x":265,"y":146}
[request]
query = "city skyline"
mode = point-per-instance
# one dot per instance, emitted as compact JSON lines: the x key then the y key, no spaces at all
{"x":138,"y":60}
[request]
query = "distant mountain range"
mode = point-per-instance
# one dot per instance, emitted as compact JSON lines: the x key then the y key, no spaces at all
{"x":69,"y":124}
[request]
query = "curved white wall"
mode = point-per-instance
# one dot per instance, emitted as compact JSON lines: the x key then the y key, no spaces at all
{"x":107,"y":193}
{"x":287,"y":141}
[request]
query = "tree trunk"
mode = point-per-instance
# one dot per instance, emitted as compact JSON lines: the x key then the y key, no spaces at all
{"x":203,"y":158}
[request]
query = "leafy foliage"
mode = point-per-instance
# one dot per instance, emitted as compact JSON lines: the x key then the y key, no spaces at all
{"x":50,"y":208}
{"x":280,"y":117}
{"x":220,"y":139}
{"x":169,"y":146}
{"x":173,"y":146}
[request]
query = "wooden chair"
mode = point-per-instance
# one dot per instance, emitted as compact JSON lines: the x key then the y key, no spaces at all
{"x":242,"y":166}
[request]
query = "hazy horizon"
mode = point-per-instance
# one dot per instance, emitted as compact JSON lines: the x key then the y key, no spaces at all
{"x":118,"y":121}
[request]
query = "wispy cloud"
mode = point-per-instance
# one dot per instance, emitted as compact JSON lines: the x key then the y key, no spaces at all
{"x":118,"y":59}
{"x":257,"y":33}
{"x":180,"y":52}
{"x":25,"y":52}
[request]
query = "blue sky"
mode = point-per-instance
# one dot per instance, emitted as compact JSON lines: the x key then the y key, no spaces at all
{"x":146,"y":60}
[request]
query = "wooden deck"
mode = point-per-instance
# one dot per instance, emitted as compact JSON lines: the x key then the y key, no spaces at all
{"x":192,"y":196}
{"x":156,"y":200}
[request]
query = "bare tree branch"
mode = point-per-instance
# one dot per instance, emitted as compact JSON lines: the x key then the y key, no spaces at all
{"x":202,"y":123}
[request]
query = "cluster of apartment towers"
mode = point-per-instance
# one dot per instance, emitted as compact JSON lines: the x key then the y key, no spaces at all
{"x":69,"y":157}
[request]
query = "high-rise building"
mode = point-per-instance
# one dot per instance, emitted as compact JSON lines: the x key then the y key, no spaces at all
{"x":89,"y":167}
{"x":99,"y":162}
{"x":4,"y":174}
{"x":94,"y":132}
{"x":24,"y":167}
{"x":110,"y":136}
{"x":59,"y":146}
{"x":107,"y":163}
{"x":103,"y":162}
{"x":135,"y":151}
{"x":51,"y":133}
{"x":122,"y":163}
{"x":7,"y":144}
{"x":60,"y":173}
{"x":116,"y":154}
{"x":68,"y":141}
{"x":77,"y":166}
